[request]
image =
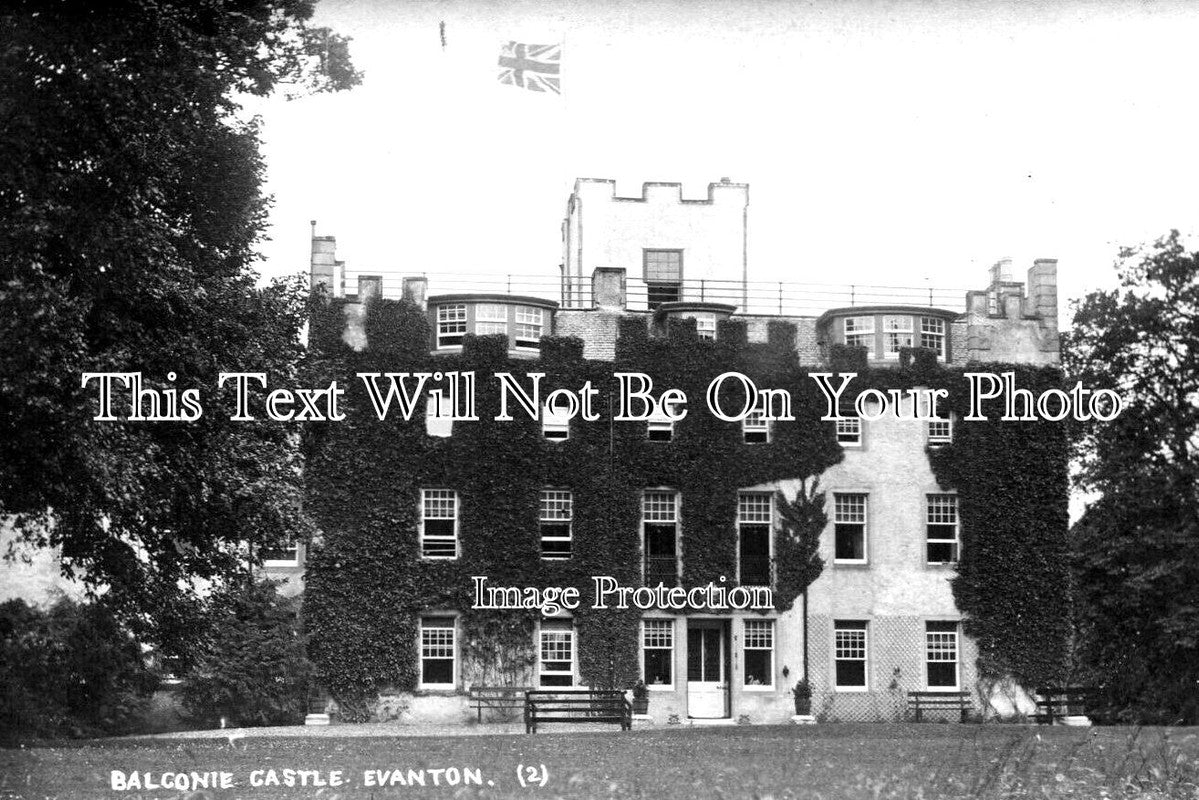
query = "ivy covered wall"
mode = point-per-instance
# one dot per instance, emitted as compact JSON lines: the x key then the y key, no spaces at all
{"x":367,"y":586}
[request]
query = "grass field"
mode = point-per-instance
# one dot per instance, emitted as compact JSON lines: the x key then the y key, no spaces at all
{"x":824,"y":761}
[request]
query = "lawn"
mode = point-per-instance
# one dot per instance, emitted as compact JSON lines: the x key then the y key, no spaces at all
{"x":824,"y":761}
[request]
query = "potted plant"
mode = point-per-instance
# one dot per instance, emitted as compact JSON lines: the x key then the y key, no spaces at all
{"x":640,"y":698}
{"x":803,"y":698}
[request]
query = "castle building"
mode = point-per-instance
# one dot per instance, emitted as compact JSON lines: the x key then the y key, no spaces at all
{"x":878,"y":622}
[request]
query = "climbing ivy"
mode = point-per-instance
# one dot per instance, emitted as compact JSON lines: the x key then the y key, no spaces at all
{"x":367,"y":586}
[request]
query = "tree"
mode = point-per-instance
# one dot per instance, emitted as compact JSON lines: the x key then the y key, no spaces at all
{"x":70,"y":670}
{"x":253,"y":671}
{"x":131,"y":205}
{"x":1137,"y":545}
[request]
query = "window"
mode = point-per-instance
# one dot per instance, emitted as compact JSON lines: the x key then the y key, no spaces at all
{"x":941,"y":654}
{"x":555,"y":419}
{"x":529,"y":323}
{"x":705,"y":326}
{"x":759,"y":652}
{"x":849,"y":527}
{"x":451,"y":324}
{"x":849,"y":645}
{"x":663,"y":276}
{"x":657,"y":651}
{"x":897,"y":333}
{"x":859,"y":332}
{"x":287,"y":555}
{"x":660,"y":524}
{"x":556,"y":654}
{"x":756,"y":428}
{"x":439,"y":417}
{"x":942,"y":528}
{"x":491,"y":318}
{"x":659,"y":426}
{"x":940,"y":430}
{"x":754,"y":524}
{"x":932,"y":335}
{"x":437,"y":646}
{"x":849,"y":431}
{"x":556,"y":514}
{"x":439,"y":523}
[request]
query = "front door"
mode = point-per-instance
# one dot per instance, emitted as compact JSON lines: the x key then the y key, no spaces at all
{"x":707,"y":669}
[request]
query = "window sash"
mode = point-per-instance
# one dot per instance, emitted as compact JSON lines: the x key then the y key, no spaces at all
{"x":451,"y":324}
{"x":530,"y":322}
{"x":663,"y":266}
{"x":932,"y":334}
{"x":438,"y":649}
{"x":942,"y":528}
{"x":659,"y":506}
{"x":850,"y":654}
{"x":758,"y":655}
{"x":556,"y":515}
{"x":705,"y":326}
{"x":555,"y":656}
{"x":657,"y":652}
{"x":941,"y":655}
{"x":438,"y":507}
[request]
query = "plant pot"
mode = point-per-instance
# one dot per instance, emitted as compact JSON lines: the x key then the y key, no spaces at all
{"x":803,"y":706}
{"x":641,"y":705}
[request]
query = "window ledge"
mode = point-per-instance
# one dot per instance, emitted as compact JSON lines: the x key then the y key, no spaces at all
{"x":757,"y":688}
{"x":851,"y":689}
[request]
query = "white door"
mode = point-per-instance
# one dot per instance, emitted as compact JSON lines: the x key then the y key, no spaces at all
{"x":707,"y":677}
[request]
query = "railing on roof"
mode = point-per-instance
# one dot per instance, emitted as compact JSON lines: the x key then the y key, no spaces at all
{"x":765,"y":298}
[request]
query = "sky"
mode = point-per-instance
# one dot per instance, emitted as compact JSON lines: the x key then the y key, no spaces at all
{"x":894,"y":143}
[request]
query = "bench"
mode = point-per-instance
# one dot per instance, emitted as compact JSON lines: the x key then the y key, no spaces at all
{"x":510,"y":699}
{"x":939,"y":701}
{"x":1057,"y":702}
{"x":577,"y":705}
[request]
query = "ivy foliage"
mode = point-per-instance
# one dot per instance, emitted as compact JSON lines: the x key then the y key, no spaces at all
{"x":367,"y":585}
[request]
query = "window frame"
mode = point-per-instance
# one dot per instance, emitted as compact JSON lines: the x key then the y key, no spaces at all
{"x":436,"y":422}
{"x":294,"y":561}
{"x":674,"y":520}
{"x":846,"y":332}
{"x":957,"y":653}
{"x":553,"y":422}
{"x":421,"y":684}
{"x":851,"y":429}
{"x":771,"y":628}
{"x":940,"y":336}
{"x":705,"y":326}
{"x":956,"y":541}
{"x":769,"y":524}
{"x":864,"y":524}
{"x":557,"y":623}
{"x":667,"y":623}
{"x":657,"y":283}
{"x":889,"y":332}
{"x":499,"y":316}
{"x":852,"y":625}
{"x":755,"y":424}
{"x":659,"y":421}
{"x":444,"y":319}
{"x":531,"y":343}
{"x":426,"y":494}
{"x":542,"y":521}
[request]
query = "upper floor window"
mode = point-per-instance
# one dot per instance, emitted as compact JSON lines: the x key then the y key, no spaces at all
{"x":940,"y":430}
{"x":849,"y":429}
{"x":555,"y":419}
{"x":897,"y":333}
{"x":932,"y":335}
{"x":437,"y":652}
{"x":942,"y":518}
{"x":659,"y":426}
{"x":491,"y":318}
{"x":755,"y":521}
{"x":286,"y":555}
{"x":439,"y":417}
{"x":705,"y":326}
{"x":529,"y":324}
{"x":451,"y":324}
{"x":557,"y":512}
{"x":660,"y":532}
{"x":859,"y":332}
{"x":849,"y":528}
{"x":439,"y":523}
{"x":663,"y":276}
{"x":755,"y":428}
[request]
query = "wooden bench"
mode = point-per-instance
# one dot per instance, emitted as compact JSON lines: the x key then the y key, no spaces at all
{"x":939,"y":701}
{"x":509,"y":699}
{"x":577,"y":705}
{"x":1056,"y":702}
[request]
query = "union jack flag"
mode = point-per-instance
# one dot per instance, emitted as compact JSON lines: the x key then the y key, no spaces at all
{"x":531,"y":66}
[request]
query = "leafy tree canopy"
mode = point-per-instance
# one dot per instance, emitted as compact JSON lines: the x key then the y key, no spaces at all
{"x":130,"y":208}
{"x":1138,"y":543}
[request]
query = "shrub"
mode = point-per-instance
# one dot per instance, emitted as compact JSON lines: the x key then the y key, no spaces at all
{"x":70,"y":670}
{"x":252,"y":671}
